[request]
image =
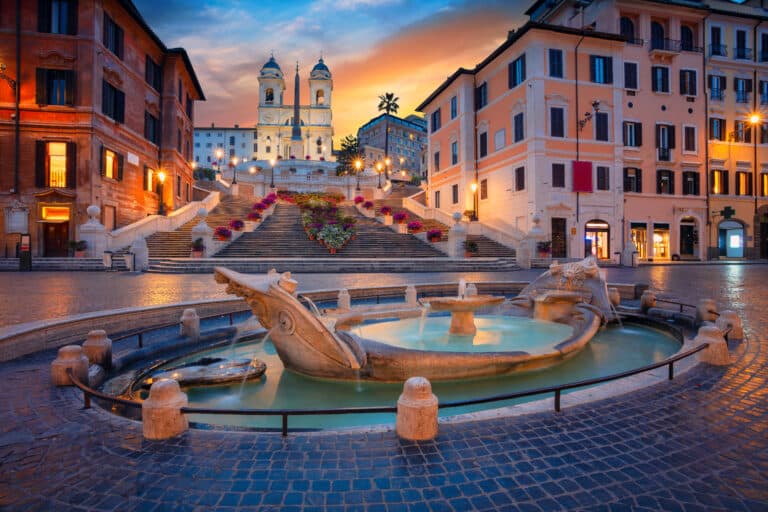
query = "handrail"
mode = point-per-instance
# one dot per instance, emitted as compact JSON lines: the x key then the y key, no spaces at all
{"x":285,"y":413}
{"x":681,"y":304}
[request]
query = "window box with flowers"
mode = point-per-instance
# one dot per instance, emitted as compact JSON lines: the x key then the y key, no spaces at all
{"x":197,"y":248}
{"x":222,"y":233}
{"x":434,"y":235}
{"x":386,"y":211}
{"x":415,"y":226}
{"x":236,"y":225}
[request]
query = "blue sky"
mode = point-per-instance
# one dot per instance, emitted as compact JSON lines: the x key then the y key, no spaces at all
{"x":371,"y":46}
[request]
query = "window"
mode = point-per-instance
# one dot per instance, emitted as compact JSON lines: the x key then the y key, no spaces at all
{"x":481,"y":96}
{"x":742,"y":132}
{"x":190,"y":104}
{"x":178,"y":140}
{"x":600,"y":69}
{"x":686,"y":38}
{"x":152,"y":128}
{"x":435,"y":120}
{"x":483,"y":144}
{"x":716,"y":128}
{"x":454,"y":107}
{"x":557,"y":122}
{"x":742,"y":86}
{"x":269,"y":95}
{"x":716,"y":87}
{"x":55,"y":87}
{"x":627,"y":28}
{"x":633,"y":179}
{"x":483,"y":189}
{"x":764,"y":47}
{"x":153,"y":74}
{"x":741,"y":51}
{"x":764,"y":133}
{"x":718,"y":183}
{"x":231,"y":140}
{"x":633,"y":134}
{"x":665,"y":141}
{"x":630,"y":75}
{"x":437,"y":199}
{"x":516,"y":71}
{"x":187,"y":195}
{"x":657,"y":36}
{"x":520,"y":178}
{"x":689,"y":139}
{"x":558,"y":175}
{"x":113,"y":36}
{"x":659,"y":79}
{"x":178,"y":186}
{"x":320,"y":97}
{"x":519,"y":127}
{"x":149,"y":179}
{"x":57,"y":17}
{"x":111,"y":164}
{"x":112,"y":102}
{"x":764,"y":184}
{"x":665,"y":182}
{"x":688,"y":82}
{"x":743,"y":183}
{"x":603,"y":178}
{"x":180,"y":91}
{"x":763,"y":91}
{"x":55,"y":164}
{"x":437,"y":161}
{"x":601,"y":126}
{"x":454,"y":153}
{"x":717,"y":48}
{"x":499,"y":139}
{"x":555,"y":63}
{"x":690,"y":183}
{"x":455,"y":193}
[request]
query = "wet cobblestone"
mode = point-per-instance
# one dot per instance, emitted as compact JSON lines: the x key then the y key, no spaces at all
{"x":699,"y":442}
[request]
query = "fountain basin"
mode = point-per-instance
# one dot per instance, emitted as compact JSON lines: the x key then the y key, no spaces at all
{"x":462,"y":310}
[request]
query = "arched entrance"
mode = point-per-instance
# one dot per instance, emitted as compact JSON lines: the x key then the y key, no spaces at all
{"x":730,"y":239}
{"x":597,"y":239}
{"x":689,"y":238}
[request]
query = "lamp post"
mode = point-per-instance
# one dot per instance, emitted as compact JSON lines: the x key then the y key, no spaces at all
{"x":473,"y":186}
{"x":218,"y":154}
{"x":378,"y":170}
{"x":756,"y":120}
{"x":272,"y":175}
{"x":233,"y":162}
{"x":358,"y":165}
{"x":387,"y":165}
{"x":160,"y":190}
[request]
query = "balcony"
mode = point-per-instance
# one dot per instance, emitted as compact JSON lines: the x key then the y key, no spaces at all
{"x":716,"y":94}
{"x":742,"y":53}
{"x":718,"y":50}
{"x":742,"y":97}
{"x":635,"y":41}
{"x":665,"y":46}
{"x":688,"y":46}
{"x":764,"y":99}
{"x":663,"y":155}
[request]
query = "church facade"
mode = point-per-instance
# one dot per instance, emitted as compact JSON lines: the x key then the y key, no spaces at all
{"x":275,"y":134}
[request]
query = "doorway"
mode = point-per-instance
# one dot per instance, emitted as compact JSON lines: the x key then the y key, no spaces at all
{"x":764,"y":240}
{"x":558,"y":238}
{"x":730,"y":239}
{"x":689,"y":238}
{"x":597,"y":239}
{"x":55,"y":239}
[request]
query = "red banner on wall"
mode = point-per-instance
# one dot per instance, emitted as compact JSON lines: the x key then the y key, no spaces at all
{"x":582,"y":176}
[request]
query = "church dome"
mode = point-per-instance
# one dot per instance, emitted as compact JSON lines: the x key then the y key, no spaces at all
{"x":320,"y":71}
{"x":271,"y":69}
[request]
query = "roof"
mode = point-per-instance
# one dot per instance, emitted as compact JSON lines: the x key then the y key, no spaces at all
{"x":398,"y":120}
{"x":272,"y":63}
{"x":320,"y":66}
{"x":136,"y":15}
{"x":512,"y":39}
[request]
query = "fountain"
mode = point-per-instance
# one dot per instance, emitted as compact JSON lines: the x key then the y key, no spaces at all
{"x":325,"y":346}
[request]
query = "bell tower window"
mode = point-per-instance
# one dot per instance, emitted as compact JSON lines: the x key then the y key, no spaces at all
{"x":269,"y":96}
{"x":320,"y":97}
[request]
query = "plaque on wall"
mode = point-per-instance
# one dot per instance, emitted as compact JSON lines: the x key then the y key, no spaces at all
{"x":17,"y":218}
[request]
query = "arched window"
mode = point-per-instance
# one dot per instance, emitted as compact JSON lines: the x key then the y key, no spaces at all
{"x":686,"y":38}
{"x":320,"y":97}
{"x":269,"y":96}
{"x":627,"y":28}
{"x":657,"y":36}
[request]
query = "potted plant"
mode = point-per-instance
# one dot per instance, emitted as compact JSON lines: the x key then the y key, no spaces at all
{"x":236,"y":224}
{"x":386,"y":211}
{"x":544,"y":248}
{"x":368,"y":205}
{"x":415,"y":226}
{"x":254,"y":216}
{"x":400,"y":217}
{"x":78,"y":248}
{"x":260,"y":206}
{"x":470,"y":248}
{"x":359,"y":199}
{"x":222,"y":233}
{"x":197,"y":247}
{"x":434,"y":235}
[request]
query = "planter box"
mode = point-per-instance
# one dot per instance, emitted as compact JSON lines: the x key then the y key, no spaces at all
{"x":402,"y":228}
{"x":387,"y":220}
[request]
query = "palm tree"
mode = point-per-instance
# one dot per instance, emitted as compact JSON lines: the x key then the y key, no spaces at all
{"x":387,"y":103}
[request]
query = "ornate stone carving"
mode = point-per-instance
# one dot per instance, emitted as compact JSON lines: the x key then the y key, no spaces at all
{"x":113,"y":76}
{"x":55,"y":58}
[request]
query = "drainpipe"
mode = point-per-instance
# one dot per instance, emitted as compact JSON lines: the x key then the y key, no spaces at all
{"x":706,"y":139}
{"x":474,"y":142}
{"x":755,"y":237}
{"x":576,"y":86}
{"x":17,"y":99}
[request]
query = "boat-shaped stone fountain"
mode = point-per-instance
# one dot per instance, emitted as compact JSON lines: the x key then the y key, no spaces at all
{"x":572,"y":294}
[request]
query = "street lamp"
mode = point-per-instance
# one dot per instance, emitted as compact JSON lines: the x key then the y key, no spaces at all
{"x":387,"y":163}
{"x":233,"y":162}
{"x":252,"y":170}
{"x":358,"y":165}
{"x":272,"y":177}
{"x":161,"y":180}
{"x":378,"y":170}
{"x":473,"y":186}
{"x":756,"y":120}
{"x":218,"y":153}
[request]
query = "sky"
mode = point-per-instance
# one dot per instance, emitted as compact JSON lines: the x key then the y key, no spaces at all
{"x":408,"y":47}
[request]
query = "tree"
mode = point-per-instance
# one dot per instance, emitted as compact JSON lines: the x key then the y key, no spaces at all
{"x":387,"y":103}
{"x":349,"y":152}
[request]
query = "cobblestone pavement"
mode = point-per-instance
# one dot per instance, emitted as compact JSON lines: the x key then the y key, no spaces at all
{"x":699,"y":442}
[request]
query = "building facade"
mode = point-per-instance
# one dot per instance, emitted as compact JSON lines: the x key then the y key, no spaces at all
{"x":598,"y":118}
{"x":407,"y":138}
{"x":233,"y":141}
{"x":94,"y":109}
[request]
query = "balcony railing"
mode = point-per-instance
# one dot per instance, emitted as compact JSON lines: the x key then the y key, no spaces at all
{"x":690,"y":47}
{"x":717,"y":94}
{"x":665,"y":45}
{"x":764,"y":99}
{"x":742,"y":97}
{"x":664,"y":155}
{"x":636,"y":41}
{"x":718,"y":50}
{"x":742,"y":53}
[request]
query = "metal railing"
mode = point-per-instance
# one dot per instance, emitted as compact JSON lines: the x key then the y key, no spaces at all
{"x":140,"y":334}
{"x":665,"y":44}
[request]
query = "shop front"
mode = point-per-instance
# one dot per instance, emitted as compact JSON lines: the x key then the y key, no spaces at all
{"x":54,"y":216}
{"x":597,"y":239}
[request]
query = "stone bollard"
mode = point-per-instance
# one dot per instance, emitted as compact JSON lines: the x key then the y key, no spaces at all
{"x":98,"y":348}
{"x":417,"y":411}
{"x":717,"y":352}
{"x":70,"y":356}
{"x":730,"y":320}
{"x":647,"y":301}
{"x":411,"y":297}
{"x":706,"y":311}
{"x":190,"y":324}
{"x":344,"y":301}
{"x":471,"y":290}
{"x":161,"y":413}
{"x":614,"y":296}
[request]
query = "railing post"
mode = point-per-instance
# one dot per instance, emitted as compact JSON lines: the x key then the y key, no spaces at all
{"x":285,"y":425}
{"x":557,"y":400}
{"x":230,"y":319}
{"x":141,"y":340}
{"x":671,"y":370}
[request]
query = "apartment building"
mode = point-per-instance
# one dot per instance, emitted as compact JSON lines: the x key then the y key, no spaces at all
{"x":218,"y":145}
{"x":407,"y":138}
{"x":94,"y":110}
